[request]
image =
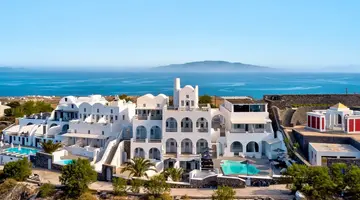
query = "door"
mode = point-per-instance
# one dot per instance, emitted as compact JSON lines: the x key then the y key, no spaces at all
{"x":10,"y":139}
{"x":246,"y":127}
{"x":23,"y":141}
{"x":171,"y":164}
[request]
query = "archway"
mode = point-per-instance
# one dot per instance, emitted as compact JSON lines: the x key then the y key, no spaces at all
{"x":236,"y":147}
{"x":140,"y":133}
{"x":201,"y":145}
{"x":171,"y":125}
{"x":186,"y":146}
{"x":252,"y":147}
{"x":154,"y":153}
{"x":171,"y":146}
{"x":139,"y":152}
{"x":202,"y":125}
{"x":155,"y":133}
{"x":217,"y":121}
{"x":186,"y":125}
{"x":65,"y":128}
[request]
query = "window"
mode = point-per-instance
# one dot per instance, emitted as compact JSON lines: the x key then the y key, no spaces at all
{"x":241,"y":108}
{"x":80,"y":116}
{"x":98,"y":110}
{"x":111,"y":111}
{"x":116,"y":117}
{"x":144,"y":105}
{"x":187,"y":96}
{"x":72,"y":105}
{"x":158,"y":105}
{"x":88,"y":131}
{"x":259,"y":126}
{"x":257,"y":108}
{"x":65,"y":99}
{"x":84,"y":109}
{"x":111,"y":118}
{"x":192,"y":103}
{"x":75,"y":131}
{"x":158,"y":112}
{"x":103,"y":133}
{"x":182,"y":103}
{"x":123,"y":117}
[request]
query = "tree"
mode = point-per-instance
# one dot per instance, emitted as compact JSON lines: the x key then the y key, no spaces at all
{"x":138,"y":167}
{"x":76,"y":176}
{"x":13,"y":104}
{"x":119,"y":185}
{"x":8,"y":112}
{"x":125,"y":97}
{"x":157,"y":186}
{"x":50,"y":147}
{"x":337,"y":173}
{"x":319,"y":184}
{"x":352,"y":179}
{"x":224,"y":193}
{"x":205,"y":99}
{"x":18,"y":170}
{"x":136,"y":184}
{"x":299,"y":175}
{"x":174,"y":173}
{"x":46,"y":190}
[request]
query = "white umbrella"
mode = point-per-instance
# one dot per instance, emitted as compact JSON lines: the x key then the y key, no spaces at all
{"x":12,"y":145}
{"x":1,"y":144}
{"x":19,"y":147}
{"x":2,"y":137}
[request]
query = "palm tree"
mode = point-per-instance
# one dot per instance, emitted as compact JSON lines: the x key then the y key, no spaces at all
{"x":138,"y":166}
{"x":50,"y":147}
{"x":174,"y":173}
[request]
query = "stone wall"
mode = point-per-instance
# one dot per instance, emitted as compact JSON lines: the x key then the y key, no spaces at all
{"x":347,"y":161}
{"x":207,"y":182}
{"x":231,"y":182}
{"x":41,"y":159}
{"x":56,"y":167}
{"x":283,"y":101}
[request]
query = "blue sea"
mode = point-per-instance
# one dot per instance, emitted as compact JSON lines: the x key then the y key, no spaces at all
{"x":132,"y":83}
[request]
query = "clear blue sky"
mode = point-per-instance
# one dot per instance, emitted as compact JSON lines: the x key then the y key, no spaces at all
{"x":147,"y":33}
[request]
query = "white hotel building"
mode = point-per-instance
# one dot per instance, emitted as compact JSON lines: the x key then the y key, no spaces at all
{"x":170,"y":135}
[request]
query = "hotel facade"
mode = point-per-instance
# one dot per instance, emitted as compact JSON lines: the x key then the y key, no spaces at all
{"x":171,"y":134}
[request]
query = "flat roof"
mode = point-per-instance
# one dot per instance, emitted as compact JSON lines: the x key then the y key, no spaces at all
{"x":243,"y":100}
{"x":309,"y":132}
{"x":328,"y":147}
{"x":83,"y":135}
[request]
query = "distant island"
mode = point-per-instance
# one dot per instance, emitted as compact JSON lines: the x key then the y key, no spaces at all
{"x":212,"y":66}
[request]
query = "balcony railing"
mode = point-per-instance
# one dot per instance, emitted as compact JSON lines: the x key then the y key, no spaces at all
{"x":156,"y":117}
{"x":259,"y":130}
{"x":203,"y":130}
{"x":142,"y":117}
{"x":139,"y":140}
{"x":186,"y":130}
{"x":186,"y":151}
{"x":238,"y":131}
{"x":171,"y":129}
{"x":155,"y":140}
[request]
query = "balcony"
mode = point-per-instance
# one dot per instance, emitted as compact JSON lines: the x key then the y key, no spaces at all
{"x":155,"y":141}
{"x":171,"y":129}
{"x":156,"y":117}
{"x":203,"y":130}
{"x":186,"y":130}
{"x":141,"y":117}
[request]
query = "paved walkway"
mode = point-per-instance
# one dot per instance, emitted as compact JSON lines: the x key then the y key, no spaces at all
{"x":275,"y":191}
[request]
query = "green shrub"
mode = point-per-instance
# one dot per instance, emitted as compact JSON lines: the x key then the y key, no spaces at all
{"x":136,"y":184}
{"x":7,"y":185}
{"x":119,"y":185}
{"x":76,"y":176}
{"x":157,"y":186}
{"x":224,"y":193}
{"x":46,"y":190}
{"x":18,"y":170}
{"x":87,"y":196}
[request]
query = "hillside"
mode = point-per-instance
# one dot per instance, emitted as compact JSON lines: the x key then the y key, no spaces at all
{"x":212,"y":66}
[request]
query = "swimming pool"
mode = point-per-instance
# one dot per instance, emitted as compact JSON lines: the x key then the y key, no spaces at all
{"x":22,"y":150}
{"x":64,"y":162}
{"x":230,"y":167}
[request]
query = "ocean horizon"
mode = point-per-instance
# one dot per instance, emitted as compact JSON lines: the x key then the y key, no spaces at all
{"x":51,"y":83}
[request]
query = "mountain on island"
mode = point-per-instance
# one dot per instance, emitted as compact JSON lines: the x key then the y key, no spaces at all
{"x":212,"y":66}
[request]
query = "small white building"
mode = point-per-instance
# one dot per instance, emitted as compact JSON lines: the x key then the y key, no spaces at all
{"x":320,"y":152}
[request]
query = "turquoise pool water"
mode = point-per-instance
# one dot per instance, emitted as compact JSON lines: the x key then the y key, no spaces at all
{"x":64,"y":162}
{"x":22,"y":150}
{"x":230,"y":167}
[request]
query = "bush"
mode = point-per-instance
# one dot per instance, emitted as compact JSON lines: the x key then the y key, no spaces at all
{"x":224,"y":193}
{"x":18,"y":170}
{"x":165,"y":196}
{"x":46,"y":190}
{"x":7,"y":185}
{"x":205,"y":99}
{"x":157,"y":186}
{"x":136,"y":184}
{"x":87,"y":196}
{"x":76,"y":176}
{"x":119,"y":185}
